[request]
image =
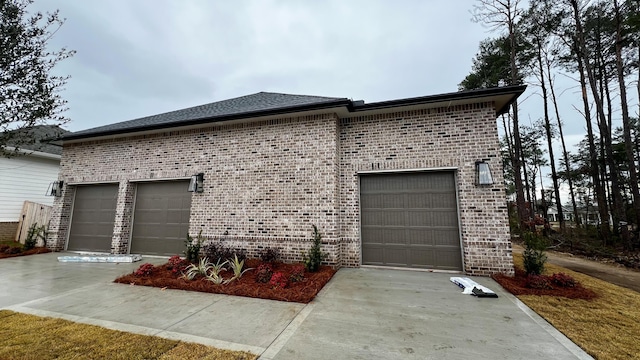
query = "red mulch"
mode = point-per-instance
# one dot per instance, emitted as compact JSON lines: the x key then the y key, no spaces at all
{"x":517,"y":286}
{"x":302,"y":291}
{"x":38,"y":250}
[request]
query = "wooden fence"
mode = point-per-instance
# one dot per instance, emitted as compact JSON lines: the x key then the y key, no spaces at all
{"x":32,"y":213}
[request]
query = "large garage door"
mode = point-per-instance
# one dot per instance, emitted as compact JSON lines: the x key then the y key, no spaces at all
{"x":94,"y":211}
{"x":161,"y":218}
{"x":410,"y":220}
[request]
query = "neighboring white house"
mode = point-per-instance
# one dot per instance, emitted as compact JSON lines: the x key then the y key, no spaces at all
{"x":26,"y":177}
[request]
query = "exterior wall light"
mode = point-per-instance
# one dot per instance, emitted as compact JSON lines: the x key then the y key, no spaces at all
{"x":483,"y":174}
{"x":197,"y":183}
{"x":55,"y":188}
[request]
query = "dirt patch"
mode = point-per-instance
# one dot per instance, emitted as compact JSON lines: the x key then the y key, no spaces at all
{"x":303,"y":291}
{"x":5,"y":254}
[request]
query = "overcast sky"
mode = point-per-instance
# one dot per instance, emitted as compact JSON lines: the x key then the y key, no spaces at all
{"x":144,"y":57}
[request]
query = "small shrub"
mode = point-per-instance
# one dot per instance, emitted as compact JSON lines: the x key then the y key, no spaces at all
{"x":533,"y":256}
{"x":177,"y":264}
{"x":174,"y":261}
{"x":264,"y":273}
{"x":218,"y":252}
{"x":297,"y":273}
{"x":145,"y":270}
{"x":4,"y":247}
{"x":538,"y":282}
{"x":236,"y":266}
{"x":563,"y":280}
{"x":279,"y":280}
{"x":534,"y":261}
{"x":270,"y":255}
{"x":214,"y":273}
{"x":34,"y":234}
{"x":13,"y":250}
{"x":192,"y":253}
{"x":204,"y":268}
{"x":314,"y":257}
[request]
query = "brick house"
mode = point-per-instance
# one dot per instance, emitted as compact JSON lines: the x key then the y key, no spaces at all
{"x":391,"y":183}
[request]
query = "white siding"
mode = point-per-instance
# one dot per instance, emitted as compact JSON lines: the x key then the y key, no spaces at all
{"x":24,"y":178}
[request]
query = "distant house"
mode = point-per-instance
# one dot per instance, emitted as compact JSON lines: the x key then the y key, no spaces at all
{"x":552,"y":213}
{"x":27,"y":175}
{"x":398,"y":183}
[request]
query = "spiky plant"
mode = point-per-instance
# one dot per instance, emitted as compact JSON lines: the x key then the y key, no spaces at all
{"x":314,"y":257}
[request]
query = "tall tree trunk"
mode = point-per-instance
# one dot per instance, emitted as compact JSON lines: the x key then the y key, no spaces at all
{"x":565,"y":153}
{"x":584,"y":67}
{"x":518,"y":164}
{"x":617,"y":203}
{"x":626,"y":123}
{"x":547,"y":127}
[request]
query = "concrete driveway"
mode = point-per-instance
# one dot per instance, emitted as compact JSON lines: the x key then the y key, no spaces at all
{"x":361,"y":314}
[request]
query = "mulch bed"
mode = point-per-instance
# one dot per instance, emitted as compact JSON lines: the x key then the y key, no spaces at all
{"x":517,"y":286}
{"x":38,"y":250}
{"x":303,"y":291}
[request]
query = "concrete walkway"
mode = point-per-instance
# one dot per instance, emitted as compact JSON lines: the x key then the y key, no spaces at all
{"x":361,"y":314}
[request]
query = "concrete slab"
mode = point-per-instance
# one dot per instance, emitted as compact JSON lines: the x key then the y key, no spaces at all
{"x":388,"y":314}
{"x":255,"y":322}
{"x":361,"y":314}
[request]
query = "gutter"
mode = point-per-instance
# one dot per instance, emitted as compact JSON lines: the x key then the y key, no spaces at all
{"x":515,"y":91}
{"x":39,"y":154}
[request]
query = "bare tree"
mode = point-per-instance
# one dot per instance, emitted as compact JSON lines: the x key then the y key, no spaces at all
{"x":503,"y":15}
{"x":626,"y":123}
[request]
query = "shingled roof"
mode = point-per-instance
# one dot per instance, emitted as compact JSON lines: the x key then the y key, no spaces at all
{"x":260,"y":104}
{"x":41,"y":138}
{"x":269,"y":104}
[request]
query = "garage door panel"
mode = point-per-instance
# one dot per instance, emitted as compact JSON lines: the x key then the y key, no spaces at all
{"x":395,"y":256}
{"x":415,"y":218}
{"x":374,"y":254}
{"x":161,"y":218}
{"x":392,"y":217}
{"x":447,"y":237}
{"x":393,"y":236}
{"x":422,"y":258}
{"x":448,"y":259}
{"x":444,"y":218}
{"x":92,"y":220}
{"x":443,"y":200}
{"x":393,"y":201}
{"x":373,"y":201}
{"x":420,"y":237}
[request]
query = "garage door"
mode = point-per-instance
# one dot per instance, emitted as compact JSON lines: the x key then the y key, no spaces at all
{"x":410,"y":220}
{"x":94,"y":211}
{"x":161,"y":218}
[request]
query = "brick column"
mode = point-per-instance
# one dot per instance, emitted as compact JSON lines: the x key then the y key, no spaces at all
{"x":60,"y":219}
{"x":123,"y":220}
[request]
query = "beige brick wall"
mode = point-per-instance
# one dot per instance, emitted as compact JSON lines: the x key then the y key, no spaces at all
{"x":267,"y":182}
{"x":429,"y":139}
{"x":8,"y":230}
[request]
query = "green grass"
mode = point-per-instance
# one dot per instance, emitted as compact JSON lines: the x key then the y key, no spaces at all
{"x":25,"y":336}
{"x":606,"y":327}
{"x":11,"y":243}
